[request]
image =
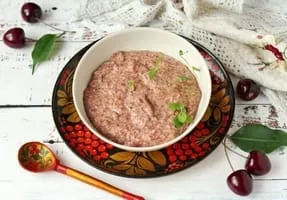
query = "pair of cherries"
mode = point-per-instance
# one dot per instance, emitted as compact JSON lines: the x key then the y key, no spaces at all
{"x":240,"y":181}
{"x":15,"y":37}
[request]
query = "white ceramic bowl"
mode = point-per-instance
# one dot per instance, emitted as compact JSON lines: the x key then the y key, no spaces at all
{"x":140,"y":39}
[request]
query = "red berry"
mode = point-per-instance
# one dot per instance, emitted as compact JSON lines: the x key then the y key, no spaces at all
{"x":31,"y":12}
{"x":179,"y":152}
{"x":188,"y":152}
{"x":247,"y":89}
{"x":201,"y":153}
{"x":205,"y":145}
{"x":170,"y":152}
{"x":72,"y":144}
{"x":88,"y":148}
{"x":194,"y":156}
{"x":80,"y":133}
{"x":14,"y":38}
{"x":182,"y":157}
{"x":221,"y":130}
{"x":81,"y":146}
{"x":197,"y":133}
{"x":176,"y":146}
{"x":97,"y":157}
{"x":74,"y":141}
{"x":224,"y":124}
{"x":94,"y":137}
{"x":205,"y":131}
{"x":69,"y":128}
{"x":194,"y":145}
{"x":240,"y":182}
{"x":226,"y":118}
{"x":102,"y":142}
{"x":184,"y":140}
{"x":93,"y":152}
{"x":67,"y":136}
{"x":109,"y":146}
{"x":88,"y":141}
{"x":88,"y":134}
{"x":172,"y":158}
{"x":73,"y":134}
{"x":78,"y":127}
{"x":198,"y":149}
{"x":101,"y":148}
{"x":86,"y":129}
{"x":185,"y":146}
{"x":95,"y":144}
{"x":200,"y":125}
{"x":104,"y":155}
{"x":192,"y":138}
{"x":80,"y":140}
{"x":257,"y":163}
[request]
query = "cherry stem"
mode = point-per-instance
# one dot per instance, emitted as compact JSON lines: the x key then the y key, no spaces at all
{"x":226,"y":154}
{"x":64,"y":32}
{"x":30,"y":39}
{"x":226,"y":146}
{"x":58,"y":29}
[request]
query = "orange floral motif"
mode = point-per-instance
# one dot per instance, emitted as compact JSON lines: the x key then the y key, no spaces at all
{"x":136,"y":163}
{"x":69,"y":109}
{"x":219,"y":104}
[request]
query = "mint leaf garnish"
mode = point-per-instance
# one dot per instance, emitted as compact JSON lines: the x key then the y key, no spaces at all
{"x":181,"y":54}
{"x":181,"y":116}
{"x":153,"y":71}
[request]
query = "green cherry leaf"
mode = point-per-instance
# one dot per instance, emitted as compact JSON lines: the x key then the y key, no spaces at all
{"x":43,"y":49}
{"x":258,"y":137}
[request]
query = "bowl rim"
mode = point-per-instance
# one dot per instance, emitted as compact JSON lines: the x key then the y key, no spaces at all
{"x":131,"y":148}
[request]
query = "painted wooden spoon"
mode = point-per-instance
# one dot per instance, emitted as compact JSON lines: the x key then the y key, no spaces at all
{"x":37,"y":157}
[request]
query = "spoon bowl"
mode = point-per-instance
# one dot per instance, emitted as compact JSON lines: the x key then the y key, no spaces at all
{"x":37,"y":157}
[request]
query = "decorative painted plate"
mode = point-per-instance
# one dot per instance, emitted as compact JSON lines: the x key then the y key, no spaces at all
{"x":190,"y":150}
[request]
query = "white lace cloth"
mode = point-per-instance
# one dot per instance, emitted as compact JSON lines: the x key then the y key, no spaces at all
{"x":234,"y":30}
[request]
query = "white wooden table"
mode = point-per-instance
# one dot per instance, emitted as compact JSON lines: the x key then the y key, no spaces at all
{"x":25,"y":115}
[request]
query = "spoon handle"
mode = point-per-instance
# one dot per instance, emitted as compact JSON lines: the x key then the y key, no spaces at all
{"x":96,"y":182}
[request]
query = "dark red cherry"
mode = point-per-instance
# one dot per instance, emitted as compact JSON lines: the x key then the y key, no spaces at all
{"x":258,"y":163}
{"x":240,"y":182}
{"x":31,"y":12}
{"x":247,"y":89}
{"x":14,"y":38}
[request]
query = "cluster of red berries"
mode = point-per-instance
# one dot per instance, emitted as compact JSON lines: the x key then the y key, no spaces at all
{"x":172,"y":167}
{"x":86,"y":143}
{"x":225,"y":122}
{"x":190,"y":147}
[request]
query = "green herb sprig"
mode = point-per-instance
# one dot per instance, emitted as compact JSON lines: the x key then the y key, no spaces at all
{"x":181,"y":54}
{"x":181,"y":117}
{"x":131,"y":85}
{"x":153,"y":71}
{"x":183,"y":78}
